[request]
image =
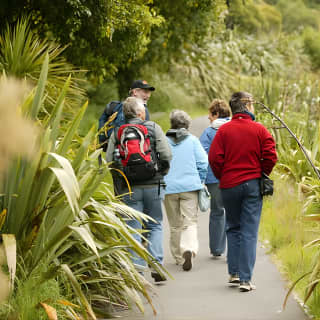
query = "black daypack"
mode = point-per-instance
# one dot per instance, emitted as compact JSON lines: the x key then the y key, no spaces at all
{"x":106,"y":127}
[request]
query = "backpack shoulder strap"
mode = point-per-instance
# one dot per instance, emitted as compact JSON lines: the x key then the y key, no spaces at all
{"x":151,"y":126}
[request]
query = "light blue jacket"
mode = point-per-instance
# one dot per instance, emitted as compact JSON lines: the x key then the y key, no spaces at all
{"x":189,"y":164}
{"x":206,"y":139}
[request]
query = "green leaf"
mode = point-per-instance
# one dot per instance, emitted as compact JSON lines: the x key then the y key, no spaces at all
{"x":10,"y":246}
{"x":40,"y":89}
{"x":68,"y":181}
{"x":65,"y":143}
{"x":87,"y":237}
{"x":77,"y":289}
{"x":82,"y":151}
{"x":55,"y":116}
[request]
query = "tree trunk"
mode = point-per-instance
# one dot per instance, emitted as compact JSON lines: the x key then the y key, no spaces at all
{"x":126,"y":76}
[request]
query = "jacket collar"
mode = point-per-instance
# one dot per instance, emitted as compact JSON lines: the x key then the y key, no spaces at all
{"x":216,"y":124}
{"x":135,"y":121}
{"x":244,"y":115}
{"x":177,"y":135}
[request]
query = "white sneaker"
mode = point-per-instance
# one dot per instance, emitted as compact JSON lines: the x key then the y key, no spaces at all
{"x":234,"y":280}
{"x":246,"y":286}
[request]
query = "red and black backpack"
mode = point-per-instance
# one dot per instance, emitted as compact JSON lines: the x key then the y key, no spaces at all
{"x":137,"y":153}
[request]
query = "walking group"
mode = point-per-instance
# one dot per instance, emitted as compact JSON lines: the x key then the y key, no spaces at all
{"x":166,"y":171}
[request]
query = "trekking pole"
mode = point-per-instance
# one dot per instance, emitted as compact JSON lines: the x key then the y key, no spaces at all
{"x":293,"y":135}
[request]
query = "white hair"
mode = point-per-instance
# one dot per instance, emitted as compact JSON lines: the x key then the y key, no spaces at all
{"x":132,"y":107}
{"x":179,"y":119}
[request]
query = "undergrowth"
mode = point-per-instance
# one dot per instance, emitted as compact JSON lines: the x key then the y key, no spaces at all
{"x":286,"y":233}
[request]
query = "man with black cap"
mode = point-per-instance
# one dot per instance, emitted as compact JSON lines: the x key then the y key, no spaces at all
{"x":147,"y":186}
{"x":139,"y":89}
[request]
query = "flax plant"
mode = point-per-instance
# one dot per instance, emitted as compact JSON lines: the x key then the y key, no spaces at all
{"x":52,"y":206}
{"x":304,"y":168}
{"x":22,"y":53}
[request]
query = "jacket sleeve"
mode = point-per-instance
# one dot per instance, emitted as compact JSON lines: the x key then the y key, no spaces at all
{"x":216,"y":155}
{"x":269,"y":154}
{"x":201,"y":160}
{"x":163,"y":150}
{"x":205,"y":140}
{"x":111,"y":147}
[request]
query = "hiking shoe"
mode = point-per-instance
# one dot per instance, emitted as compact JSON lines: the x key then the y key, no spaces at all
{"x":187,"y":265}
{"x":234,"y":280}
{"x":157,"y":277}
{"x":246,"y":286}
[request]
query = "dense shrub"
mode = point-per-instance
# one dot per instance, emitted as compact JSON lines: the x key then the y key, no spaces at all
{"x":296,"y":16}
{"x":311,"y":39}
{"x":251,"y":17}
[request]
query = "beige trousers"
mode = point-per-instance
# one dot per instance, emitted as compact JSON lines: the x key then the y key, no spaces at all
{"x":182,"y":213}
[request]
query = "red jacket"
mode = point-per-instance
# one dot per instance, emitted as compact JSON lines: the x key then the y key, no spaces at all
{"x":241,"y":150}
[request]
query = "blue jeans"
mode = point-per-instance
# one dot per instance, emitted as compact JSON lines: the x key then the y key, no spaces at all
{"x":217,"y":221}
{"x":148,"y":200}
{"x":243,"y":204}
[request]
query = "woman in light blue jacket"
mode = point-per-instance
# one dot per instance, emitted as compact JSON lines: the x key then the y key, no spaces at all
{"x":219,"y":114}
{"x":188,"y":171}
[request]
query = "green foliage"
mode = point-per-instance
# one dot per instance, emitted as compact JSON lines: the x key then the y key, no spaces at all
{"x":98,"y":96}
{"x":312,"y":3}
{"x":52,"y":209}
{"x":253,"y":17}
{"x":297,"y":104}
{"x":29,"y":293}
{"x":186,"y":23}
{"x":286,"y":233}
{"x":296,"y":16}
{"x":101,"y":35}
{"x":238,"y":62}
{"x":22,"y":54}
{"x":116,"y":38}
{"x":311,"y":39}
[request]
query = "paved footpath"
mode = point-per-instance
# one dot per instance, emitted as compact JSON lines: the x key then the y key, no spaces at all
{"x":203,"y":294}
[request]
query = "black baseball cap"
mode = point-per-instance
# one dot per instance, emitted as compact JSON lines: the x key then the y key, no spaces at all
{"x":142,"y":84}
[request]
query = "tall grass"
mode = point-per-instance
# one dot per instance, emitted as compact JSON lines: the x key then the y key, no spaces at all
{"x":285,"y":232}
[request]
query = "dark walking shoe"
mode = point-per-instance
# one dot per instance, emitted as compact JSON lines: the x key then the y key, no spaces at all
{"x":234,"y":280}
{"x":157,"y":277}
{"x":187,"y":265}
{"x":246,"y":286}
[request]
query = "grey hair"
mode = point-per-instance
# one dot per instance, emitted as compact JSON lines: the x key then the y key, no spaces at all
{"x":179,"y":119}
{"x":132,"y":106}
{"x":239,"y":101}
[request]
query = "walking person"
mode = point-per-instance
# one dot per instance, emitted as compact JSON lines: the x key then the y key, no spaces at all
{"x":219,"y":114}
{"x":139,"y":89}
{"x":188,"y":170}
{"x":241,"y":151}
{"x":147,"y":188}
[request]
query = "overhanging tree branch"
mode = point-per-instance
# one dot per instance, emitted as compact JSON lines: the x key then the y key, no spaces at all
{"x":293,"y":135}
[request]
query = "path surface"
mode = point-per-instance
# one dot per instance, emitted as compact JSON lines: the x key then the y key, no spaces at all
{"x":203,"y":294}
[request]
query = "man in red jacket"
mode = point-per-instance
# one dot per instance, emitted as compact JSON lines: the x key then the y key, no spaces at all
{"x":241,"y":150}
